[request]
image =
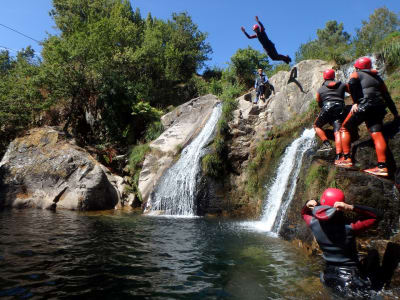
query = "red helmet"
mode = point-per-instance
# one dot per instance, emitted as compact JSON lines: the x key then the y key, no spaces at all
{"x":363,"y":63}
{"x":329,"y":74}
{"x":256,"y":27}
{"x":330,"y":196}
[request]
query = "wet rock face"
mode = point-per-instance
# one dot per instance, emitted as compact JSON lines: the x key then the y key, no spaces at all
{"x":181,"y":126}
{"x":45,"y":170}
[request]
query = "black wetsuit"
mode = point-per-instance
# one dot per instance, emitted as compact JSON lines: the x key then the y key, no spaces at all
{"x":330,"y":98}
{"x":370,"y":93}
{"x":336,"y":238}
{"x":268,"y":46}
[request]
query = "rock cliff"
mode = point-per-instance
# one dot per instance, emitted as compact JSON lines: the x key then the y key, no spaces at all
{"x":44,"y":169}
{"x":181,"y":126}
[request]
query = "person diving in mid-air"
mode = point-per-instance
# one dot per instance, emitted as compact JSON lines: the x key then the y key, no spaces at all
{"x":268,"y":46}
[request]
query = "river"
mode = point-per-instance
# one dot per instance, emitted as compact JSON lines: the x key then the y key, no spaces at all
{"x":124,"y":255}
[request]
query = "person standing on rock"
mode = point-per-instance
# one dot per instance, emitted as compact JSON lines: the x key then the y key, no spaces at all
{"x":260,"y":85}
{"x":370,"y":96}
{"x":268,"y":46}
{"x":337,"y":239}
{"x":330,"y":98}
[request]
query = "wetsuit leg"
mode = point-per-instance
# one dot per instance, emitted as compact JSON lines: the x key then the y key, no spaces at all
{"x":338,"y":138}
{"x":374,"y":124}
{"x":322,"y":119}
{"x":346,"y":281}
{"x":352,"y":121}
{"x":273,"y":53}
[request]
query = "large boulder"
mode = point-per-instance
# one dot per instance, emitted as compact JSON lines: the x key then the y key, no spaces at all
{"x":182,"y":125}
{"x":44,"y":169}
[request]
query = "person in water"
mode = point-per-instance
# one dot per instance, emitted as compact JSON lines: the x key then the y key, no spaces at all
{"x":260,"y":85}
{"x":370,"y":97}
{"x":337,"y":239}
{"x":268,"y":46}
{"x":330,"y":98}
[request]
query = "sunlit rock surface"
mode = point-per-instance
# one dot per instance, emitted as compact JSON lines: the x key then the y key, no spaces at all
{"x":182,"y":125}
{"x":44,"y":169}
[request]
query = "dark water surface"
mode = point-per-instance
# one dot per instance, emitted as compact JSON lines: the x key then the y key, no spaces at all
{"x":121,"y":255}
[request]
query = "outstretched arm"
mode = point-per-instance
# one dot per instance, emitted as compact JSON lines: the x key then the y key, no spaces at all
{"x":389,"y":101}
{"x":259,"y":23}
{"x":246,"y":34}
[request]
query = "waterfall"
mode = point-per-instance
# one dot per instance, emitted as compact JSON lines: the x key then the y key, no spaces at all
{"x":282,"y":190}
{"x":344,"y":72}
{"x":176,"y":192}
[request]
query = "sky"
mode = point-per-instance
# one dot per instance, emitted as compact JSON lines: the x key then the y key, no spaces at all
{"x":288,"y":23}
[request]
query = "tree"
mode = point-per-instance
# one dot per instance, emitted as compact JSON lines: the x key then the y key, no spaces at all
{"x":108,"y":60}
{"x":20,"y":97}
{"x":332,"y":43}
{"x":244,"y":64}
{"x":380,"y":24}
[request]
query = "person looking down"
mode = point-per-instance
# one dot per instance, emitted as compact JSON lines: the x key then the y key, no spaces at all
{"x":261,"y":81}
{"x":268,"y":46}
{"x":337,"y":239}
{"x":330,"y":98}
{"x":371,"y":97}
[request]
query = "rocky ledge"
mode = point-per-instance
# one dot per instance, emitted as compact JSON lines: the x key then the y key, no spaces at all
{"x":44,"y":169}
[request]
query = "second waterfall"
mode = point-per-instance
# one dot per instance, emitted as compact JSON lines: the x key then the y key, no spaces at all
{"x":177,"y":190}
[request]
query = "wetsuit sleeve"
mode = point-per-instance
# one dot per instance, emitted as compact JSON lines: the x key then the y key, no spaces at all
{"x":261,"y":25}
{"x":370,"y":215}
{"x":306,"y":213}
{"x":318,"y":98}
{"x":355,"y":88}
{"x":388,"y":99}
{"x":250,"y":36}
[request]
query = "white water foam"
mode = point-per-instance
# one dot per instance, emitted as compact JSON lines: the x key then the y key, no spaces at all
{"x":176,"y":192}
{"x":282,"y":190}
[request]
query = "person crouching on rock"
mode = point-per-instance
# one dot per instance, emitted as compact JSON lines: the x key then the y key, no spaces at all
{"x":261,"y":81}
{"x":268,"y":46}
{"x":330,"y":98}
{"x":336,"y":238}
{"x":370,"y":96}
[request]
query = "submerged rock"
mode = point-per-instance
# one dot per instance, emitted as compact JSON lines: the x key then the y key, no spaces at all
{"x":46,"y":170}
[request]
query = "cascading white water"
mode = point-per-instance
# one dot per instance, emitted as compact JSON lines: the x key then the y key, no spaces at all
{"x":346,"y":70}
{"x":283,"y":187}
{"x":176,"y":192}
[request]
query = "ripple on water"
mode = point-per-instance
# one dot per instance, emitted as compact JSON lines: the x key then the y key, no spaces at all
{"x":74,"y":255}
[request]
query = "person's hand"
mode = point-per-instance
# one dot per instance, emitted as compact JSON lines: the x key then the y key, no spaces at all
{"x":354,"y":108}
{"x":257,"y":19}
{"x":311,"y":204}
{"x":242,"y":29}
{"x":341,"y":206}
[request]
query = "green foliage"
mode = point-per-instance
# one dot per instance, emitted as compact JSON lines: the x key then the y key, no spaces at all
{"x":390,"y":49}
{"x":244,"y":64}
{"x":20,"y":97}
{"x":136,"y":158}
{"x":215,"y":163}
{"x":109,"y":61}
{"x":380,"y":24}
{"x":212,"y":165}
{"x":153,"y":131}
{"x":278,"y":67}
{"x":332,"y":44}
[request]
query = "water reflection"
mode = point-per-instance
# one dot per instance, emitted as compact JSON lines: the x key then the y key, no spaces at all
{"x":121,"y":255}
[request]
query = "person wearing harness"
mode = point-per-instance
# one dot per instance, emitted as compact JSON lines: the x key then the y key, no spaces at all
{"x":260,"y":85}
{"x":370,"y":96}
{"x":337,"y":239}
{"x":330,"y":98}
{"x":268,"y":46}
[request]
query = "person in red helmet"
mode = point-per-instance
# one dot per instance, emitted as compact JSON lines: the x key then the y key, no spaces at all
{"x":268,"y":46}
{"x":370,"y":97}
{"x":330,"y":98}
{"x":337,"y":239}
